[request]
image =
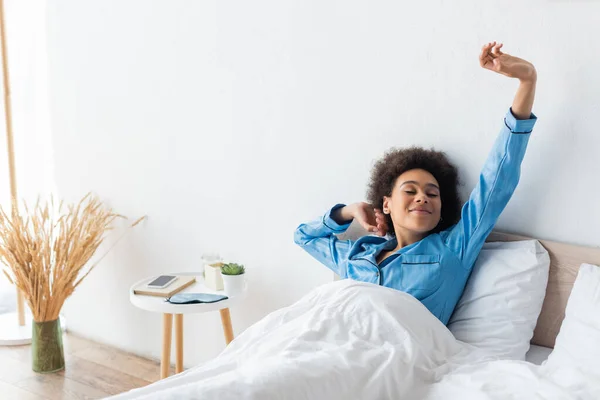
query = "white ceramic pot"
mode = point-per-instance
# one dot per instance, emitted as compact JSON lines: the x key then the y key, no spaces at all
{"x":234,"y":284}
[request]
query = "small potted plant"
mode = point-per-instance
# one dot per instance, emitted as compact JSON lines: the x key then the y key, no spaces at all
{"x":233,"y":278}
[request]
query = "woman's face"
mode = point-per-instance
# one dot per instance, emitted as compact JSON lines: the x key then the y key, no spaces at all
{"x":415,"y":203}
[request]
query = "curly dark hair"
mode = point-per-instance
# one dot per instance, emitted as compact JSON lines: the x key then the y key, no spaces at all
{"x":397,"y":161}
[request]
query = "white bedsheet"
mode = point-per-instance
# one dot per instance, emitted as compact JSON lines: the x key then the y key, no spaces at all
{"x":354,"y":340}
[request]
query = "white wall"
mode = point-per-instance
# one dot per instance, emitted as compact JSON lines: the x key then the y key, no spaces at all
{"x":229,"y":123}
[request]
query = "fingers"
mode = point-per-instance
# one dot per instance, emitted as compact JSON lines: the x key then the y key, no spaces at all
{"x":495,"y":53}
{"x":487,"y":47}
{"x":379,"y":219}
{"x":485,"y":56}
{"x":496,"y":50}
{"x":373,"y":220}
{"x":382,"y":227}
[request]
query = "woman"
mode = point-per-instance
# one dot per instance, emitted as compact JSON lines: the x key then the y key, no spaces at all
{"x":413,"y":194}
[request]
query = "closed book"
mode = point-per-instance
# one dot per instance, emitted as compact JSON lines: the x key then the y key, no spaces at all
{"x":176,"y":286}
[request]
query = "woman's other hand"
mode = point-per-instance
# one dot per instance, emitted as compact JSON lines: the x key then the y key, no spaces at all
{"x":370,"y":218}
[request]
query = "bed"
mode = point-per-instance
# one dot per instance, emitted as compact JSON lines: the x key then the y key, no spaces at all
{"x":315,"y":348}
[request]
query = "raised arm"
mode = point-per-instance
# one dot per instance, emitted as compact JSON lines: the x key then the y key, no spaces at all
{"x":500,"y":174}
{"x":494,"y":59}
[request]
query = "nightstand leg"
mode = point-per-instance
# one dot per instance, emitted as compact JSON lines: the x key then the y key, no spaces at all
{"x":226,"y":322}
{"x":165,"y":361}
{"x":179,"y":343}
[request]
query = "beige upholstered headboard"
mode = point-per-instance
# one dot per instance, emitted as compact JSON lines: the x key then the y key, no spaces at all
{"x":565,"y":260}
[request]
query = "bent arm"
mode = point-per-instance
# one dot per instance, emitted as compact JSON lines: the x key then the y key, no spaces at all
{"x":319,"y":239}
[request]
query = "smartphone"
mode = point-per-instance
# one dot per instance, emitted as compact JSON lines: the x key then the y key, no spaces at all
{"x":162,"y":281}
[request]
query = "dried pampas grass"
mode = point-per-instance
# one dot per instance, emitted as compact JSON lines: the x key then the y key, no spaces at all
{"x":46,"y":256}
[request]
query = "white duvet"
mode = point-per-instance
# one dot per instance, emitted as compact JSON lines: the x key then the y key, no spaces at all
{"x":354,"y":340}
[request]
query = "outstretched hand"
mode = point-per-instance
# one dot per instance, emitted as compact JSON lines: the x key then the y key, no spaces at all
{"x":494,"y":59}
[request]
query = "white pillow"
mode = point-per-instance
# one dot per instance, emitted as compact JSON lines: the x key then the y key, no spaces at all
{"x":578,"y":341}
{"x":503,"y":298}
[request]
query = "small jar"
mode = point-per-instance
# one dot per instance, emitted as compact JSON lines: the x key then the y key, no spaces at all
{"x":211,"y":264}
{"x":209,"y":258}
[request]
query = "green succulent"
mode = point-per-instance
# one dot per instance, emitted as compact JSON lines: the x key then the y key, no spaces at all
{"x":232,"y":269}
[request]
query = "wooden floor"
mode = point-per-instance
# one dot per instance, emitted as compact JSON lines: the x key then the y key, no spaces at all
{"x":93,"y":371}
